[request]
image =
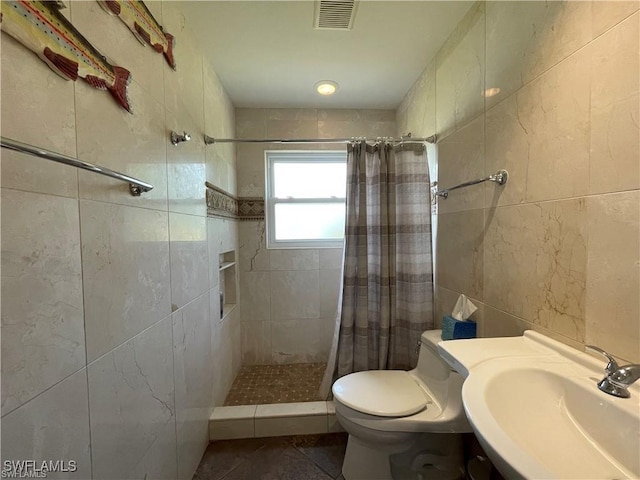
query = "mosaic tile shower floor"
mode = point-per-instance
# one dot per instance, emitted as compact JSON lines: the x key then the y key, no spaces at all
{"x":262,"y":384}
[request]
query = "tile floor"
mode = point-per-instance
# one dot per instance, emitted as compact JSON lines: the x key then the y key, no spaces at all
{"x":308,"y":457}
{"x":262,"y":384}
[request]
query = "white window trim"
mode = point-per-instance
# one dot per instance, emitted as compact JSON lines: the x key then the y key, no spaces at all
{"x":273,"y":156}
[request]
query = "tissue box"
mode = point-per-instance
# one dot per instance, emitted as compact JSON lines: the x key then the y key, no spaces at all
{"x":453,"y":329}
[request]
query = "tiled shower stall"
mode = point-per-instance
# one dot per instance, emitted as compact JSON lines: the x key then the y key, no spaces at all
{"x":289,"y":296}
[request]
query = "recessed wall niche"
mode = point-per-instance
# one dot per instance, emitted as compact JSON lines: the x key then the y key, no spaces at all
{"x":228,"y":282}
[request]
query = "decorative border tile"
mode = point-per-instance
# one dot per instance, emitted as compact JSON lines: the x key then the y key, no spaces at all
{"x":251,"y":208}
{"x":223,"y":204}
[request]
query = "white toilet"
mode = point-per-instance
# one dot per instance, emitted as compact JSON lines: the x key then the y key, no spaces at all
{"x":403,"y":421}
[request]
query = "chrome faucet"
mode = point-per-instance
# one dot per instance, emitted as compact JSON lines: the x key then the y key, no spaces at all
{"x":617,"y":379}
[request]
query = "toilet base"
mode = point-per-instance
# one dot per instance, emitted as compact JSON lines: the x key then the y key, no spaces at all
{"x":363,"y":462}
{"x":427,"y":455}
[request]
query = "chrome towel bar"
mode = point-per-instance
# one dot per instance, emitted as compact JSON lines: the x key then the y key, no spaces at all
{"x":136,"y":187}
{"x":500,"y":177}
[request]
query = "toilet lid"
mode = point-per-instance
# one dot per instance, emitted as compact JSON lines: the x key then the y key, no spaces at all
{"x":385,"y":393}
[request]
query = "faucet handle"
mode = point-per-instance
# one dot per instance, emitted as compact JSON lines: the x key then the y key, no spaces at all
{"x":626,"y":375}
{"x":612,"y":366}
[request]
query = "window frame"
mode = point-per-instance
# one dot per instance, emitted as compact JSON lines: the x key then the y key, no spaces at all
{"x":297,"y":156}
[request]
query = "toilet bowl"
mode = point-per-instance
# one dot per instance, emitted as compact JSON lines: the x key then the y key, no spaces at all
{"x":399,"y":414}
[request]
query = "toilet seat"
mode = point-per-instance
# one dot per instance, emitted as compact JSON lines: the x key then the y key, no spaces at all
{"x":383,"y":393}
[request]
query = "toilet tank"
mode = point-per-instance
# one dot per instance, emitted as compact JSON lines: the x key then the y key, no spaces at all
{"x":442,"y":383}
{"x":431,"y":366}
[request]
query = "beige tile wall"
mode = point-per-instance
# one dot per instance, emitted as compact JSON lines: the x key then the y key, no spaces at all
{"x":557,"y":249}
{"x":289,"y":297}
{"x":113,"y":352}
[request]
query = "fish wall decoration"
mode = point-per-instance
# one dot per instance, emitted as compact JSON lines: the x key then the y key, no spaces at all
{"x":39,"y":26}
{"x":137,"y":17}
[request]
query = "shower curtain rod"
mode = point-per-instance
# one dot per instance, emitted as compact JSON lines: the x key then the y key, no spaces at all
{"x":210,"y":140}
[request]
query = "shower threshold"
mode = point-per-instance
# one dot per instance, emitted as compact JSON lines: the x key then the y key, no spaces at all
{"x":274,"y":400}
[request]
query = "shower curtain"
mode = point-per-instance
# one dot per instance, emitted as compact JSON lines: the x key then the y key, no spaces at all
{"x":386,"y":299}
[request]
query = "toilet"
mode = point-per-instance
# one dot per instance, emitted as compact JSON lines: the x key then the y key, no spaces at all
{"x":403,"y":424}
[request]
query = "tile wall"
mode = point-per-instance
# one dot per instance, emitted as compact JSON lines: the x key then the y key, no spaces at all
{"x":113,"y":352}
{"x":557,"y":249}
{"x":289,"y":297}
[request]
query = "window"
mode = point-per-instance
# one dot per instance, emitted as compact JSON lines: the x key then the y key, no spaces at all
{"x":305,"y":197}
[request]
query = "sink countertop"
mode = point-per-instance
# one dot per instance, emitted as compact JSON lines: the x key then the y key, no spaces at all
{"x":464,"y":355}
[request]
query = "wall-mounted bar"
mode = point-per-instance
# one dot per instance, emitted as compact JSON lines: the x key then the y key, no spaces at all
{"x":210,"y":140}
{"x":136,"y":187}
{"x":500,"y":177}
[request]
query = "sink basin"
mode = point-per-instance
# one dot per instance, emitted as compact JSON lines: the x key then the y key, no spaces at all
{"x":543,"y":424}
{"x":538,"y":414}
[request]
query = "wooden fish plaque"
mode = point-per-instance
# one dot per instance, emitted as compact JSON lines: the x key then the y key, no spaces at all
{"x":40,"y":27}
{"x":137,"y":17}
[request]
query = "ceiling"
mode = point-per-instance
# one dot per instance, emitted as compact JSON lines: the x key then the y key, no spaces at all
{"x":267,"y":53}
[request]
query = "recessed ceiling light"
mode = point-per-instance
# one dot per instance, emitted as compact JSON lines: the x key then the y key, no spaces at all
{"x":326,"y":87}
{"x":491,"y":92}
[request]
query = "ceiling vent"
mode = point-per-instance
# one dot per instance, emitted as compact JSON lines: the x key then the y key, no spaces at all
{"x":335,"y":14}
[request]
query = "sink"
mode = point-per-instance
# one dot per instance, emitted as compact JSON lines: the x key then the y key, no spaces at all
{"x":538,"y":413}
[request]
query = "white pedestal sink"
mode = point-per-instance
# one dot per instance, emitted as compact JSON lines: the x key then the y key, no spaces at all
{"x":535,"y":408}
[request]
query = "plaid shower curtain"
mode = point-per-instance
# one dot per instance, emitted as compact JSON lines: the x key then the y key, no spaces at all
{"x":387,"y":287}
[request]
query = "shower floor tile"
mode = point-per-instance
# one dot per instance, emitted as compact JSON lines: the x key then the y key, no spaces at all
{"x":261,"y":384}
